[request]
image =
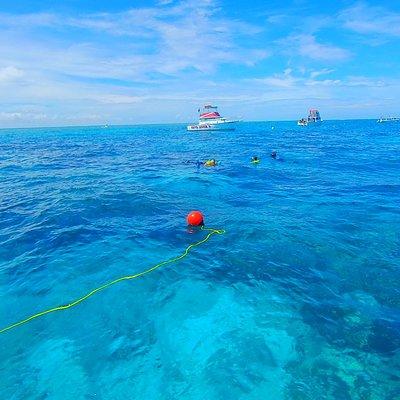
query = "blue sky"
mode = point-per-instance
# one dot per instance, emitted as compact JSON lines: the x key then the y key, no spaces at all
{"x":124,"y":62}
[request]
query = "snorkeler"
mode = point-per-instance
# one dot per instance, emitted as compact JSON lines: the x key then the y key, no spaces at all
{"x":255,"y":160}
{"x":210,"y":163}
{"x":274,"y":155}
{"x":198,"y":163}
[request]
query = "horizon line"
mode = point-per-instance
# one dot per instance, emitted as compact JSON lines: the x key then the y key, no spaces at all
{"x":167,"y":123}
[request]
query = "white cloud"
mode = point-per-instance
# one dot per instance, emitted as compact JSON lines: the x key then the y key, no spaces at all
{"x":307,"y":46}
{"x":165,"y":2}
{"x":367,"y":82}
{"x":117,"y":99}
{"x":188,"y":36}
{"x":284,"y":80}
{"x":324,"y":71}
{"x":371,"y":20}
{"x":10,"y":73}
{"x":16,"y":116}
{"x":288,"y":81}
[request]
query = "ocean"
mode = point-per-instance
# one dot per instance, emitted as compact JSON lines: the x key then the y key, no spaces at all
{"x":299,"y":299}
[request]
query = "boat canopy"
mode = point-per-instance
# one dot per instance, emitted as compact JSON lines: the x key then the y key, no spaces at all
{"x":209,"y":112}
{"x":314,"y":115}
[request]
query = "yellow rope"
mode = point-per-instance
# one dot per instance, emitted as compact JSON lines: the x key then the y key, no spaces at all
{"x":123,"y":278}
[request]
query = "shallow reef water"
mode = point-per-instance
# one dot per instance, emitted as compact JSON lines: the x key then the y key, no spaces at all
{"x":299,"y":299}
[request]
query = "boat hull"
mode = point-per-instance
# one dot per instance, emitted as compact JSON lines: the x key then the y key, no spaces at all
{"x":385,"y":120}
{"x":228,"y":126}
{"x":307,"y":123}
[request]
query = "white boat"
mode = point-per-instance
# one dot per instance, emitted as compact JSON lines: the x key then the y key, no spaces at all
{"x":313,"y":118}
{"x":302,"y":122}
{"x":388,"y":119}
{"x":211,"y":120}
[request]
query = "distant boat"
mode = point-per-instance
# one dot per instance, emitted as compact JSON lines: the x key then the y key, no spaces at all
{"x":211,"y":120}
{"x":388,"y":119}
{"x":314,"y":117}
{"x":302,"y":122}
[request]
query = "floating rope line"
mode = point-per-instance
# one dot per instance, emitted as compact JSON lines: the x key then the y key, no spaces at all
{"x":74,"y":303}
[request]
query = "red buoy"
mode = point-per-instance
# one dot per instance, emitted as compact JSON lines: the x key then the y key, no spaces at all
{"x":195,"y":218}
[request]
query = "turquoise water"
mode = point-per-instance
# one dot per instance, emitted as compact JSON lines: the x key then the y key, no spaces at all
{"x":299,"y":299}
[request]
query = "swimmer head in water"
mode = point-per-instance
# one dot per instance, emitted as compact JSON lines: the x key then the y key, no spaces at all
{"x":255,"y":159}
{"x":210,"y":163}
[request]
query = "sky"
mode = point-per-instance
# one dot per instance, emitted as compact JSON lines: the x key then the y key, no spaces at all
{"x":87,"y":62}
